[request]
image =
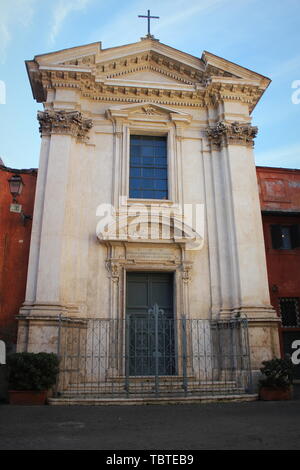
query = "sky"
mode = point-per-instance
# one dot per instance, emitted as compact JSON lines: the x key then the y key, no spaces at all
{"x":262,"y":35}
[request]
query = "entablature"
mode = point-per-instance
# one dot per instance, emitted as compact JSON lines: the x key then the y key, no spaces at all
{"x":147,"y":70}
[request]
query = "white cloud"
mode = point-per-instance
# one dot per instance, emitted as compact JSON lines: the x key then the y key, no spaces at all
{"x":287,"y":156}
{"x":175,"y":15}
{"x":286,"y":68}
{"x":61,"y":11}
{"x":13,"y":14}
{"x":184,"y":12}
{"x":5,"y":38}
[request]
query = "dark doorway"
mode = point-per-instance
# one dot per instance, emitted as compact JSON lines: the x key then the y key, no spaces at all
{"x":150,"y":338}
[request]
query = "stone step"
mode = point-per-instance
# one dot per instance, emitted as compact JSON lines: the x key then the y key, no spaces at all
{"x":150,"y":389}
{"x":150,"y":393}
{"x":151,"y":383}
{"x":152,"y":400}
{"x":141,"y":389}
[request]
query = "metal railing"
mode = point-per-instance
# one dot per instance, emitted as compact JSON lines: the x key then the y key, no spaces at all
{"x":152,"y":355}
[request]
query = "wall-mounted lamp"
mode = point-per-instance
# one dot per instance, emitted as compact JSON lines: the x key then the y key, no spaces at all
{"x":15,"y":186}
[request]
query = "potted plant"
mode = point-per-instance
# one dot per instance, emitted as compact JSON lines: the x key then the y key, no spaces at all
{"x":277,"y":383}
{"x":30,"y":376}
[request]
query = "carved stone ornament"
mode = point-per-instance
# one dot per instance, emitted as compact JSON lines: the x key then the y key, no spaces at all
{"x":231,"y":133}
{"x":186,"y":272}
{"x":150,"y":110}
{"x":114,"y":270}
{"x":64,"y":122}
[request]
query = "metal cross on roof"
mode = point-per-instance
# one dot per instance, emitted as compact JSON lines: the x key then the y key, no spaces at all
{"x":148,"y":18}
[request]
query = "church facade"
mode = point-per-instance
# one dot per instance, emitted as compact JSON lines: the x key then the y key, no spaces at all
{"x":147,"y":218}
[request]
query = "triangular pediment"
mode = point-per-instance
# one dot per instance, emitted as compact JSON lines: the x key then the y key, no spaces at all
{"x":144,"y":67}
{"x":144,"y":61}
{"x":109,"y":62}
{"x":149,"y":111}
{"x":163,"y":62}
{"x":147,"y":77}
{"x":217,"y":67}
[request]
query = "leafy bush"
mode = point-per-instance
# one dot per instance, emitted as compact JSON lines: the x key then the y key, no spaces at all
{"x":32,"y":371}
{"x":278,"y":373}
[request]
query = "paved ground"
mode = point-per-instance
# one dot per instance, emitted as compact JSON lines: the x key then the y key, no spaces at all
{"x":253,"y":425}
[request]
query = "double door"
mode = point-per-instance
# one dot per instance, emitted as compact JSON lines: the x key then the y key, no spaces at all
{"x":150,"y":336}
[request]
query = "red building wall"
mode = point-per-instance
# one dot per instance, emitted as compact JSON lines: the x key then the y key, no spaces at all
{"x":14,"y":249}
{"x":279,"y":190}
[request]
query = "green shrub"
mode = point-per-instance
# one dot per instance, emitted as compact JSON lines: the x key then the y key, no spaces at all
{"x":278,"y":373}
{"x":32,"y":371}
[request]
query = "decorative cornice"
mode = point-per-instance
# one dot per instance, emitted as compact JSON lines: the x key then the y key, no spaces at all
{"x":217,"y":92}
{"x":64,"y":122}
{"x":233,"y":133}
{"x":203,"y":91}
{"x":114,"y":74}
{"x":153,"y":61}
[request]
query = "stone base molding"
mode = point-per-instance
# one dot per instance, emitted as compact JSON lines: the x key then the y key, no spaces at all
{"x":263,"y":342}
{"x":47,"y":309}
{"x":37,"y":334}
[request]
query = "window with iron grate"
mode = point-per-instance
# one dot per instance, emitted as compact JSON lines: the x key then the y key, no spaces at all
{"x":148,"y":177}
{"x":289,"y":311}
{"x":285,"y":237}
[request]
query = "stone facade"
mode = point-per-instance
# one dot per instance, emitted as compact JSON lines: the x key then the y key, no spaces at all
{"x":94,"y":99}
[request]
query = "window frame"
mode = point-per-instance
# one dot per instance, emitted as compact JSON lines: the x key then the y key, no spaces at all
{"x":150,"y":119}
{"x":165,"y":136}
{"x":172,"y":172}
{"x":297,"y":311}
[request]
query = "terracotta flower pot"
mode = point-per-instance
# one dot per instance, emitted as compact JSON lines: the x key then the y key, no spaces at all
{"x":27,"y":397}
{"x":270,"y":394}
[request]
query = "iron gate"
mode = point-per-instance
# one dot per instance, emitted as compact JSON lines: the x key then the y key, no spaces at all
{"x":150,"y":343}
{"x":158,"y":356}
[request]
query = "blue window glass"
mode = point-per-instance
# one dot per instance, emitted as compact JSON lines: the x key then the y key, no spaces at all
{"x":146,"y":151}
{"x":148,"y":172}
{"x":136,"y":160}
{"x":148,"y":161}
{"x":160,"y":151}
{"x":160,"y":184}
{"x":148,"y":167}
{"x":161,"y":173}
{"x":135,"y":183}
{"x":148,"y":183}
{"x":135,"y":171}
{"x":134,"y":193}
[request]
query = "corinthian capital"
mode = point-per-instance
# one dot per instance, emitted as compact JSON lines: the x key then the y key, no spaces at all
{"x":64,"y":122}
{"x":235,"y":133}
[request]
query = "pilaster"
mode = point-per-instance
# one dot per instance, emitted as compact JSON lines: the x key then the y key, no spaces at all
{"x":242,"y":264}
{"x":62,"y":134}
